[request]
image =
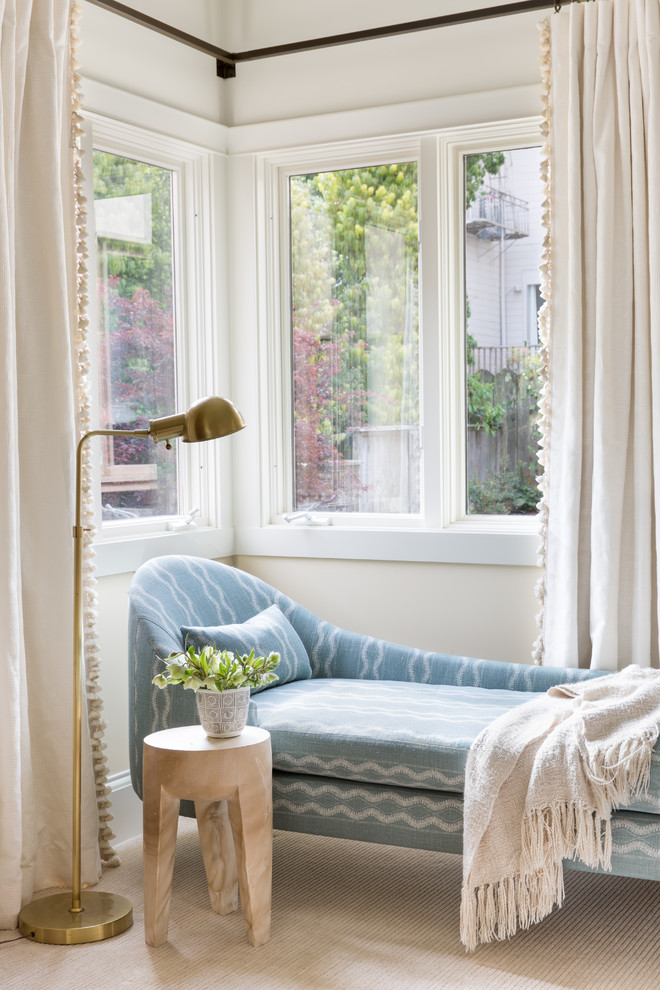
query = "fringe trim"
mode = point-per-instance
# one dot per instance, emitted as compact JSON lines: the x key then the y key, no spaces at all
{"x":90,"y":639}
{"x":563,"y":830}
{"x":545,"y":337}
{"x":623,"y":772}
{"x":495,"y":911}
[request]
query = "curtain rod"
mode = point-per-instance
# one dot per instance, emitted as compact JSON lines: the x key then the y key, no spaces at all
{"x":227,"y":61}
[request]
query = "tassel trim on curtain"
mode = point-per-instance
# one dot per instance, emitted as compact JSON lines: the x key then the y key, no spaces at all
{"x":96,"y":722}
{"x":545,"y":323}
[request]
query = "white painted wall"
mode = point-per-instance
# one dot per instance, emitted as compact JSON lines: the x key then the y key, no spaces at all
{"x":481,"y":57}
{"x":117,"y":52}
{"x":485,"y":71}
{"x":494,"y":54}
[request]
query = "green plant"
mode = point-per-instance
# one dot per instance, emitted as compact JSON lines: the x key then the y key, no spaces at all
{"x":483,"y":413}
{"x":210,"y":669}
{"x":505,"y":493}
{"x":476,"y":169}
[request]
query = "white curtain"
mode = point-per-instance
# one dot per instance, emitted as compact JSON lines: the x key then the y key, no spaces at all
{"x":602,"y":331}
{"x":38,"y":423}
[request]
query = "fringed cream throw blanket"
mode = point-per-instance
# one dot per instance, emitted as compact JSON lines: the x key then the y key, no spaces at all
{"x":541,"y":784}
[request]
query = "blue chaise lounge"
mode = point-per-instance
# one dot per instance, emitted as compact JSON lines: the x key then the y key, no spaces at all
{"x":369,"y":738}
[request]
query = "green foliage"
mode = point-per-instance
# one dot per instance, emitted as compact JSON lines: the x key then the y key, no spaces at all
{"x":505,"y":493}
{"x":138,"y":266}
{"x":136,"y":329}
{"x":483,"y":413}
{"x":355,"y":328}
{"x":210,"y":669}
{"x":508,"y":492}
{"x":531,"y":373}
{"x":476,"y":169}
{"x":356,"y":250}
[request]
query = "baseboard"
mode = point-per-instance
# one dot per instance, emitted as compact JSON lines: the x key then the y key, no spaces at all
{"x":126,"y":808}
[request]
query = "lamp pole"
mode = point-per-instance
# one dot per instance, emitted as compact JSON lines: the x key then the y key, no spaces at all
{"x":67,"y":918}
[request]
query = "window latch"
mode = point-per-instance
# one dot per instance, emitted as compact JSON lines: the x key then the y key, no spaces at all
{"x":185,"y":522}
{"x":306,"y":518}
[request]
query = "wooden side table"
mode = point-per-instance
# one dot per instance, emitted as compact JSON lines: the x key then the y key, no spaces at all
{"x":230,"y":781}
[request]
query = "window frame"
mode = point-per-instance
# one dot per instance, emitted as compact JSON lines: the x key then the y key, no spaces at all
{"x":443,"y":531}
{"x":281,"y":415}
{"x":504,"y":136}
{"x":196,"y":175}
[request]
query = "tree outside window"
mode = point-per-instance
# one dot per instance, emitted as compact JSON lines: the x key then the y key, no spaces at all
{"x":355,"y":339}
{"x":133,"y":212}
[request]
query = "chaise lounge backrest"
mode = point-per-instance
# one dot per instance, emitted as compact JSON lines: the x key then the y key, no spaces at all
{"x":174,"y":591}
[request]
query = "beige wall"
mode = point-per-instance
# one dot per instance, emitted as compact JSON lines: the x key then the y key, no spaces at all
{"x":479,"y":611}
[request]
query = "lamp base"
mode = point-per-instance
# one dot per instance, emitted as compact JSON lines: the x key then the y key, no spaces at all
{"x":50,"y":919}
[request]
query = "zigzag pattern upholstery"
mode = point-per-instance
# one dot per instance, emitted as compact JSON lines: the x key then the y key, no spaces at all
{"x":373,"y":746}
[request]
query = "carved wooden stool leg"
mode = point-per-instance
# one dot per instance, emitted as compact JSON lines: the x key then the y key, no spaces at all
{"x":251,"y":816}
{"x":219,"y":854}
{"x":160,"y":818}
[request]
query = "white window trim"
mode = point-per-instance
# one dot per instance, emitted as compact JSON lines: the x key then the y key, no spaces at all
{"x":452,"y":147}
{"x":445,"y":534}
{"x":278,"y":341}
{"x":203,"y":361}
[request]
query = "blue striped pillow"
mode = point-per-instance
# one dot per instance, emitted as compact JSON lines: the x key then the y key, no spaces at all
{"x":268,"y":632}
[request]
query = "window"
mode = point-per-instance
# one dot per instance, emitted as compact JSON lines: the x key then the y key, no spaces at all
{"x":389,"y":338}
{"x":136,"y":333}
{"x":355,"y":339}
{"x":157,"y":229}
{"x":503,"y":243}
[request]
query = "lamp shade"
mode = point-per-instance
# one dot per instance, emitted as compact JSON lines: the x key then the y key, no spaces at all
{"x":211,"y":418}
{"x":206,"y":419}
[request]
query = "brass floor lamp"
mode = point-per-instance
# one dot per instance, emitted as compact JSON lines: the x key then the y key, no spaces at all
{"x":79,"y":916}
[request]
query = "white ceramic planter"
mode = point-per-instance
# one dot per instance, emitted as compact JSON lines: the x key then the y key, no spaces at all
{"x":223,"y":713}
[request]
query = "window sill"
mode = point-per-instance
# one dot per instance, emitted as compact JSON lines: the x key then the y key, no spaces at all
{"x":124,"y":554}
{"x":484,"y":542}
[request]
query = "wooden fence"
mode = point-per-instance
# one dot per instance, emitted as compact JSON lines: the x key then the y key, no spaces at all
{"x":382,"y":470}
{"x":513,"y":446}
{"x":496,"y":359}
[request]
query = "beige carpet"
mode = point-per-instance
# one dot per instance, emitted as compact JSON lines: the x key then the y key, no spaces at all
{"x":352,"y":915}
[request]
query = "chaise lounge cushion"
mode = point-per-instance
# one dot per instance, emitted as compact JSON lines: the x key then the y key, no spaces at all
{"x":380,"y":732}
{"x":268,"y":632}
{"x":388,"y":732}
